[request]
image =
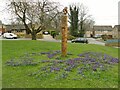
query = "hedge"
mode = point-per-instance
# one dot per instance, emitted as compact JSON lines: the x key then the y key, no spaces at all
{"x":22,"y":35}
{"x":38,"y":36}
{"x":105,"y":37}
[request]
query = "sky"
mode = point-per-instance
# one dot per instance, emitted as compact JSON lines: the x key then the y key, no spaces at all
{"x":104,"y":12}
{"x":119,"y":13}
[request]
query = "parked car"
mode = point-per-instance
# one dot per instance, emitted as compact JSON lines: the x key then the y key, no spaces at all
{"x":80,"y":40}
{"x":10,"y":36}
{"x":46,"y":33}
{"x":97,"y":36}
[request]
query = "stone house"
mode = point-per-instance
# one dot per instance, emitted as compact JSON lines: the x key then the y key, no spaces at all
{"x":18,"y":28}
{"x":89,"y":33}
{"x":15,"y":28}
{"x":116,"y":31}
{"x":99,"y":30}
{"x":102,"y":30}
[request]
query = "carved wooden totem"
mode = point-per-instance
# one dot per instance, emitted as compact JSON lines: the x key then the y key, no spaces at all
{"x":64,"y":30}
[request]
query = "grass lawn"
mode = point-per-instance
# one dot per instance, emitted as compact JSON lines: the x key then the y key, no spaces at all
{"x":37,"y":75}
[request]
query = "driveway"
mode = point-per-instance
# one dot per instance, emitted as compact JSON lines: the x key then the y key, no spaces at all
{"x":94,"y":41}
{"x":49,"y":38}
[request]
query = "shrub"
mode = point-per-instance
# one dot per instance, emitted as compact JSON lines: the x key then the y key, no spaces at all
{"x":53,"y":34}
{"x":70,"y":37}
{"x":20,"y":35}
{"x":38,"y":36}
{"x":58,"y":37}
{"x":105,"y":37}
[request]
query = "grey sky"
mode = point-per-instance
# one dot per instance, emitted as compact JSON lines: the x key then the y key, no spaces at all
{"x":119,"y":13}
{"x":104,"y":12}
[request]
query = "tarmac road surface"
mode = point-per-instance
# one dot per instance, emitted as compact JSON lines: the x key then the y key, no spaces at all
{"x":51,"y":39}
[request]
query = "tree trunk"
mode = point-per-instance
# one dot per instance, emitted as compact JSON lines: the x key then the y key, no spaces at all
{"x":33,"y":34}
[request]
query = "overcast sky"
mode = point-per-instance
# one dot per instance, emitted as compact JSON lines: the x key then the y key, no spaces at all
{"x":104,"y":12}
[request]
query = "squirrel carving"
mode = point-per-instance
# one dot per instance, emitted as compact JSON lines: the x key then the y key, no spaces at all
{"x":65,"y":11}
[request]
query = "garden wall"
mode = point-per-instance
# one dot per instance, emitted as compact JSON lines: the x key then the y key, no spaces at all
{"x":113,"y":42}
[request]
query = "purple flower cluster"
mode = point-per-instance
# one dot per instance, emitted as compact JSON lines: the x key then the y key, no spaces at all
{"x":88,"y":61}
{"x":13,"y":63}
{"x":83,"y":63}
{"x":55,"y":69}
{"x":51,"y":54}
{"x":24,"y":61}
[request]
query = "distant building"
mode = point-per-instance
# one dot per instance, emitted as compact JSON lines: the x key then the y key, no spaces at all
{"x":2,"y":28}
{"x":103,"y":30}
{"x":15,"y":28}
{"x":116,"y":31}
{"x":89,"y":33}
{"x":18,"y":28}
{"x":99,"y":30}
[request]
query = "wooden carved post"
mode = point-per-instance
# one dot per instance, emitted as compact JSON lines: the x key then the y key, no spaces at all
{"x":64,"y":28}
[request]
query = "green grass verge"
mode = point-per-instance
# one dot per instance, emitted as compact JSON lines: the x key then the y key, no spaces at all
{"x":17,"y":77}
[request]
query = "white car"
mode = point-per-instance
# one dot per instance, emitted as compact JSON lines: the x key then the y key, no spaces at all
{"x":10,"y":36}
{"x":98,"y":36}
{"x":46,"y":33}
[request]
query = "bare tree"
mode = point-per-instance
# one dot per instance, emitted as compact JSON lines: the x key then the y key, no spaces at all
{"x":50,"y":14}
{"x":85,"y":20}
{"x":34,"y":14}
{"x":88,"y":24}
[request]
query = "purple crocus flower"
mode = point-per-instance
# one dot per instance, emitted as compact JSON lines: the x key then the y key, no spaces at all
{"x":114,"y":60}
{"x":77,"y":59}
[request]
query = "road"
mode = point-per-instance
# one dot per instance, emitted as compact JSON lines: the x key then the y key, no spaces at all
{"x":94,"y":41}
{"x":50,"y":39}
{"x":90,"y":40}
